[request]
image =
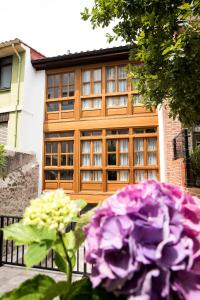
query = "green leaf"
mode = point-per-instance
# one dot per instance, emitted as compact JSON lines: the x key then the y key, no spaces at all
{"x":32,"y":289}
{"x":58,"y":289}
{"x":185,"y":6}
{"x":20,"y":233}
{"x":61,"y":263}
{"x":27,"y":234}
{"x":36,"y":253}
{"x":80,"y":289}
{"x":78,"y":232}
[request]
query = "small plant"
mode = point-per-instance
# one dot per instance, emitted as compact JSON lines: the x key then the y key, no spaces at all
{"x":3,"y":162}
{"x":195,"y":164}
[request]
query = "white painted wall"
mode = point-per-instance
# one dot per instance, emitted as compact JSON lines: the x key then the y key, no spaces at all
{"x":161,"y":143}
{"x":32,"y":114}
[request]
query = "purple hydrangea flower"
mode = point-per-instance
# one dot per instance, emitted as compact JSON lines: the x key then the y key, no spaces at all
{"x":144,"y":243}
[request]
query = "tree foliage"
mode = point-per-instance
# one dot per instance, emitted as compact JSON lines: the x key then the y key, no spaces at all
{"x":164,"y":38}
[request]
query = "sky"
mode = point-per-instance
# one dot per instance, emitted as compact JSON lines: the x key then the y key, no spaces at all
{"x":51,"y":26}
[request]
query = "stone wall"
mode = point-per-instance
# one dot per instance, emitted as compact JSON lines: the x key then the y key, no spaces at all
{"x":20,"y":185}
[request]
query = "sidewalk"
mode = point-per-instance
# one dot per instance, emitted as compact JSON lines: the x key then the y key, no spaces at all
{"x":12,"y":276}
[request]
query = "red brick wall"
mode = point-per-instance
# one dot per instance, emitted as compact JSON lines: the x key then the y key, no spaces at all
{"x":174,"y":169}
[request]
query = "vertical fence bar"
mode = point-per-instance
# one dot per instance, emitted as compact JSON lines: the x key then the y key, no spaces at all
{"x":187,"y":157}
{"x":1,"y":240}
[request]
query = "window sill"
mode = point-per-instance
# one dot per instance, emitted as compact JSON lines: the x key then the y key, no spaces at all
{"x":2,"y":90}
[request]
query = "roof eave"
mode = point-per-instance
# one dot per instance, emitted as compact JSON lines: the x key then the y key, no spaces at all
{"x":102,"y":55}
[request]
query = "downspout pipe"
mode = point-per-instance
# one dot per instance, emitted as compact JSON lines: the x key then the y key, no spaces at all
{"x":18,"y":94}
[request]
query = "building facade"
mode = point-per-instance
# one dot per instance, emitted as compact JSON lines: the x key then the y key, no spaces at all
{"x":21,"y":99}
{"x":98,"y":136}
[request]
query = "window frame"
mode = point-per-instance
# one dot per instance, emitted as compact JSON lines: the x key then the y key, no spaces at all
{"x":6,"y":64}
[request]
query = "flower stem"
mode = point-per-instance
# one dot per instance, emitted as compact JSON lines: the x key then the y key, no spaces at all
{"x":69,"y":273}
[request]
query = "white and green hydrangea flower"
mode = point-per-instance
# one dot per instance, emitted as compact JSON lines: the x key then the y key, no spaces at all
{"x":54,"y":210}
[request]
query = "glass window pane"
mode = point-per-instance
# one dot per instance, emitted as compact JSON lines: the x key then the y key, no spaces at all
{"x":66,"y":175}
{"x":71,"y":78}
{"x":65,"y":79}
{"x":56,"y":80}
{"x":122,"y":86}
{"x":86,"y":104}
{"x":138,"y":130}
{"x":97,"y":146}
{"x":48,"y":147}
{"x":111,"y":159}
{"x":123,"y":145}
{"x":71,"y":90}
{"x":97,"y":75}
{"x":97,"y":160}
{"x":86,"y":76}
{"x":63,"y":147}
{"x":110,"y":86}
{"x":54,"y":147}
{"x":67,"y":105}
{"x":111,"y":102}
{"x":111,"y":145}
{"x":50,"y":93}
{"x":97,"y":176}
{"x":152,"y":158}
{"x":56,"y":92}
{"x":50,"y":80}
{"x":137,"y":99}
{"x":122,"y":72}
{"x":63,"y":160}
{"x":59,"y":134}
{"x":85,"y":147}
{"x":70,"y":146}
{"x":70,"y":161}
{"x":110,"y":73}
{"x":111,"y":132}
{"x":139,"y":175}
{"x":85,"y":160}
{"x":123,"y":176}
{"x":86,"y":89}
{"x":86,"y":175}
{"x":97,"y":103}
{"x":152,"y":174}
{"x":64,"y":91}
{"x":51,"y":175}
{"x":48,"y":160}
{"x":123,"y":131}
{"x":96,"y":133}
{"x":53,"y":106}
{"x":54,"y":160}
{"x":5,"y":76}
{"x":97,"y":88}
{"x":112,"y":175}
{"x":151,"y":144}
{"x":123,"y":159}
{"x":86,"y":133}
{"x":123,"y":101}
{"x":150,"y":130}
{"x":139,"y":151}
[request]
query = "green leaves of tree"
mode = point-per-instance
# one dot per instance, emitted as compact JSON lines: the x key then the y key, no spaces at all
{"x":165,"y":38}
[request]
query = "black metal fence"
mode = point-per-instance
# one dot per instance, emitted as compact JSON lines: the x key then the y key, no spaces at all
{"x":182,"y":147}
{"x":10,"y":254}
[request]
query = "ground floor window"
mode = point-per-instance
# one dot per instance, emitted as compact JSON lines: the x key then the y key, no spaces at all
{"x":102,"y":160}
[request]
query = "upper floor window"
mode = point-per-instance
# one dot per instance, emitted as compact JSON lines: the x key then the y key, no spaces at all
{"x":61,"y":85}
{"x":116,"y":79}
{"x":91,"y":82}
{"x":5,"y":72}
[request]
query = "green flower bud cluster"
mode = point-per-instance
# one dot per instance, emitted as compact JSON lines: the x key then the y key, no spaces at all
{"x":53,"y":209}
